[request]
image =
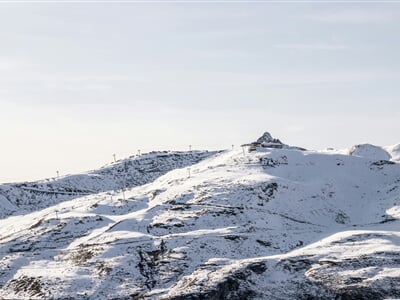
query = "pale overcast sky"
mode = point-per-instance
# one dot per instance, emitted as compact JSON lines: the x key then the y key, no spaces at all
{"x":81,"y":81}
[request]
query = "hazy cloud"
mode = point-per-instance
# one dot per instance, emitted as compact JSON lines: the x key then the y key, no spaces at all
{"x":354,"y":16}
{"x":313,"y":47}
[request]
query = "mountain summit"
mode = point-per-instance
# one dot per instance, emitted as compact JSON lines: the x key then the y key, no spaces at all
{"x":267,"y":138}
{"x":267,"y":141}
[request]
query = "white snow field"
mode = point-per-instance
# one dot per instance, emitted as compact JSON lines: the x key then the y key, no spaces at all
{"x":274,"y":223}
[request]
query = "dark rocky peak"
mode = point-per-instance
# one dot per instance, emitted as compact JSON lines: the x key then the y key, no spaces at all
{"x":267,"y":138}
{"x":267,"y":141}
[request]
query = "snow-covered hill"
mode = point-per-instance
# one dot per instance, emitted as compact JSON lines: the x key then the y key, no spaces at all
{"x":31,"y":196}
{"x":275,"y":223}
{"x":394,"y":152}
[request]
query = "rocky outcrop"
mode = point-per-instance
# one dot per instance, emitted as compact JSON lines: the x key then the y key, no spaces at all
{"x":267,"y":138}
{"x":267,"y":141}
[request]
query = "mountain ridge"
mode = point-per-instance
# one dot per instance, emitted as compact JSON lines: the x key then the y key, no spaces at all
{"x":271,"y":223}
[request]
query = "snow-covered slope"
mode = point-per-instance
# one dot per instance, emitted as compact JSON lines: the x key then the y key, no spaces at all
{"x":30,"y":196}
{"x":394,"y":152}
{"x":269,"y":224}
{"x":370,"y":151}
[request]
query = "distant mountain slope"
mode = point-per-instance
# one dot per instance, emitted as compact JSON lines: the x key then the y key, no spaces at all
{"x":126,"y":173}
{"x":370,"y":151}
{"x":267,"y":224}
{"x":394,"y":152}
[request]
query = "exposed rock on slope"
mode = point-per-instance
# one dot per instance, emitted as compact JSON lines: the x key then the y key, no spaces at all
{"x":349,"y":265}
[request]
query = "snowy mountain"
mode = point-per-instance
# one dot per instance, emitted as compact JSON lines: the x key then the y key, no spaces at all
{"x":273,"y":223}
